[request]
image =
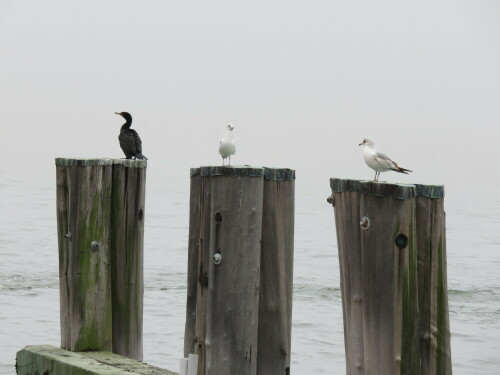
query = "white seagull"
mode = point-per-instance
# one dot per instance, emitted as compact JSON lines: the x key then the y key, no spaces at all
{"x":227,"y":146}
{"x":378,"y":161}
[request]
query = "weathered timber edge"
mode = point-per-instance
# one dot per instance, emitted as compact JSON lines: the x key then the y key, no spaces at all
{"x":382,"y":189}
{"x":70,"y":162}
{"x":274,"y":174}
{"x":47,"y":359}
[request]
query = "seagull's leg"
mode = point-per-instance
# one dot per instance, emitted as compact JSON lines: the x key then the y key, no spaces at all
{"x":229,"y":160}
{"x":223,"y":160}
{"x":375,"y":178}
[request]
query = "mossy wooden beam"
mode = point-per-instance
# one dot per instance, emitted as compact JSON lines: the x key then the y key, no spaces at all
{"x":49,"y":360}
{"x":393,"y":277}
{"x":84,"y":234}
{"x":100,"y":215}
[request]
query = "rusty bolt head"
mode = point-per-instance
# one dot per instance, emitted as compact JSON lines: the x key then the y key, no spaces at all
{"x":364,"y":223}
{"x":217,"y":258}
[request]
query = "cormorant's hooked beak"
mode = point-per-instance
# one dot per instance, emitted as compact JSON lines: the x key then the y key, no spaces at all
{"x":118,"y":113}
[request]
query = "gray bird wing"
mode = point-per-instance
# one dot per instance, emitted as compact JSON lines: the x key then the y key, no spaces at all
{"x":384,"y":160}
{"x":381,"y":155}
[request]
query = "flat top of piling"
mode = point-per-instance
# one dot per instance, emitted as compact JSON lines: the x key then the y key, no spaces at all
{"x":384,"y":189}
{"x":71,"y":162}
{"x":102,"y":363}
{"x":275,"y":174}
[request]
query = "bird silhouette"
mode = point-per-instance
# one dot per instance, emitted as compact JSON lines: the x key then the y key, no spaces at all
{"x":130,"y":142}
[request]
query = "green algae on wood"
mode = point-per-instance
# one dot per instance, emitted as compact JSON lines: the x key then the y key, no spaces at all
{"x":83,"y":211}
{"x":410,"y":348}
{"x":49,"y":360}
{"x":100,"y":214}
{"x":382,"y":189}
{"x":374,"y":272}
{"x":276,"y":174}
{"x":433,"y":293}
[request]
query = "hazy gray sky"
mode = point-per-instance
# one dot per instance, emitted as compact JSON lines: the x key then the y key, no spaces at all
{"x":303,"y":82}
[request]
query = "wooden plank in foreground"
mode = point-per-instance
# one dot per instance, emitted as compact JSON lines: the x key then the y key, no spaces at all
{"x":49,"y":360}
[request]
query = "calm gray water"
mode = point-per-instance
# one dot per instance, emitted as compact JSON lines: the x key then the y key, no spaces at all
{"x":29,"y":290}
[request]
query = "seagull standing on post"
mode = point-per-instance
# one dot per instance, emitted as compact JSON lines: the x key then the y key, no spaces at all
{"x":378,"y":161}
{"x":227,"y":146}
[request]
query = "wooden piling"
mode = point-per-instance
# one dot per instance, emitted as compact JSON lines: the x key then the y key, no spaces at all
{"x":233,"y":286}
{"x":238,"y":217}
{"x":127,"y":257}
{"x":194,"y":244}
{"x":100,"y":209}
{"x":83,"y":214}
{"x":434,"y":325}
{"x":386,"y":242}
{"x":276,"y":273}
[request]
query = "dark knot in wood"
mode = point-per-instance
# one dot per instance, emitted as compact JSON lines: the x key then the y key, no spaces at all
{"x":401,"y":241}
{"x":203,"y":280}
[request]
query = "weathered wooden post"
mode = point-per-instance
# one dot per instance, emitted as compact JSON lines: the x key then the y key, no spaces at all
{"x":84,"y":234}
{"x":384,"y":239}
{"x":276,"y":273}
{"x":434,"y":325}
{"x":127,"y":256}
{"x":100,"y":210}
{"x":240,"y":263}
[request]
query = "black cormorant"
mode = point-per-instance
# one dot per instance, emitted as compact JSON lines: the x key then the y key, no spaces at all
{"x":130,"y":142}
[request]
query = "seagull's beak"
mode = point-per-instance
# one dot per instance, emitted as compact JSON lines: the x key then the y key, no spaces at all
{"x":362,"y":143}
{"x":117,"y":113}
